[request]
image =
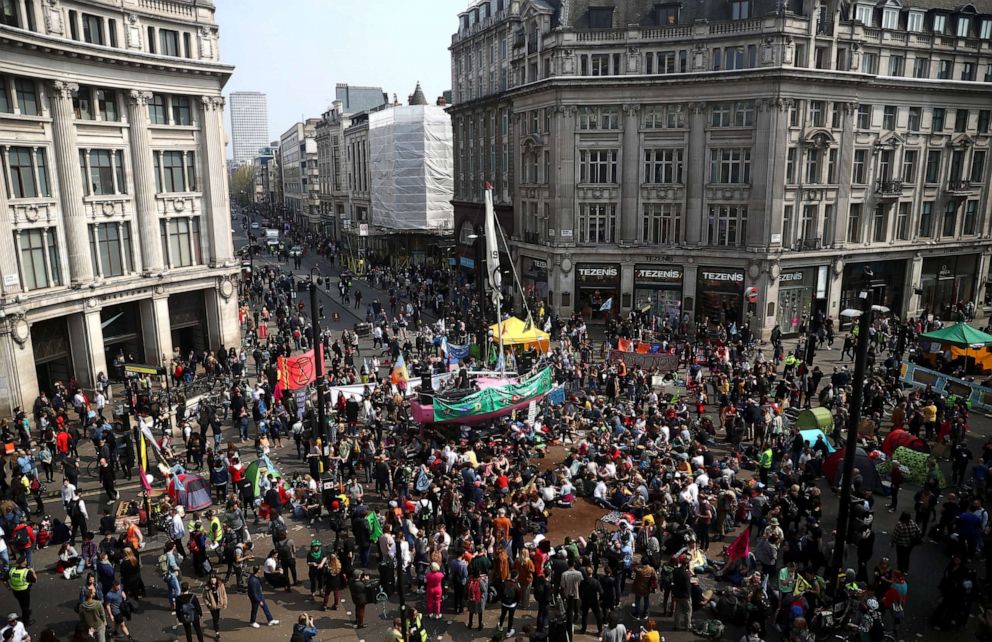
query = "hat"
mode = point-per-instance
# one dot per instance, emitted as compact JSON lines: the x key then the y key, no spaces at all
{"x":11,"y":617}
{"x":315,"y":542}
{"x":773,"y":521}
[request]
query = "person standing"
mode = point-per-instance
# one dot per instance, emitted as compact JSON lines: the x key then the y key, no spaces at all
{"x":682,"y":594}
{"x":215,"y":599}
{"x":435,"y":591}
{"x":189,"y":612}
{"x":590,"y":591}
{"x":20,"y":580}
{"x":257,"y":599}
{"x":568,"y":586}
{"x":645,"y":581}
{"x":93,"y":616}
{"x":905,"y":536}
{"x":509,"y":598}
{"x":360,"y":596}
{"x":115,"y":600}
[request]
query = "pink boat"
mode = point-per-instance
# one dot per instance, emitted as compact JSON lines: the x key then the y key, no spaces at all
{"x":424,"y":413}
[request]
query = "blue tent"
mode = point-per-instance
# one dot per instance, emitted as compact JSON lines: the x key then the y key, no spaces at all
{"x":810,"y":436}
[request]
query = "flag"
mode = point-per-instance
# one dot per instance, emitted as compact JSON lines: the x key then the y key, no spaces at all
{"x":547,"y":324}
{"x":740,"y":547}
{"x":801,"y":586}
{"x":607,"y":305}
{"x":400,"y":374}
{"x":143,"y":462}
{"x":299,"y":371}
{"x":624,"y":345}
{"x":375,"y":528}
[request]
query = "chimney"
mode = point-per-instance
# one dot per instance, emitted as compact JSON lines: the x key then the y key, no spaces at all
{"x":440,"y":102}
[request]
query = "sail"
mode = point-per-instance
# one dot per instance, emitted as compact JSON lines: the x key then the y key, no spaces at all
{"x":492,"y":250}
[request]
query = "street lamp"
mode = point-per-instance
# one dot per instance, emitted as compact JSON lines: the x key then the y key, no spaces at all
{"x":854,"y":420}
{"x":318,"y":356}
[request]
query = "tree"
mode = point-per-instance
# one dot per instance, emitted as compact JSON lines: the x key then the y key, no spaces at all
{"x":243,"y":185}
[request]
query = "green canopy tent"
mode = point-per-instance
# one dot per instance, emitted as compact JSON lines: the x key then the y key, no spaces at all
{"x":258,"y":469}
{"x":815,"y":418}
{"x":960,"y":335}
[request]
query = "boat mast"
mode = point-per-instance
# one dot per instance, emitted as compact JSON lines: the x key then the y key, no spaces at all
{"x":495,"y":278}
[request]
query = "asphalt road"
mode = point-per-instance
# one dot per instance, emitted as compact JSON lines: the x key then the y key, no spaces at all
{"x":54,"y":597}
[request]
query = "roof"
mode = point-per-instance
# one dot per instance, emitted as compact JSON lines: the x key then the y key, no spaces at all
{"x":959,"y":334}
{"x":418,"y":98}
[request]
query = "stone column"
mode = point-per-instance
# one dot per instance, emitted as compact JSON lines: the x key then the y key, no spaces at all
{"x":70,"y":183}
{"x":844,"y":168}
{"x":763,"y":165}
{"x":213,"y":180}
{"x":17,"y":368}
{"x":143,"y":166}
{"x":776,"y":115}
{"x":695,"y":220}
{"x":630,"y":177}
{"x":221,"y":304}
{"x":689,"y":275}
{"x":563,"y":160}
{"x":156,"y":329}
{"x":86,"y":339}
{"x":914,"y":278}
{"x":8,"y":249}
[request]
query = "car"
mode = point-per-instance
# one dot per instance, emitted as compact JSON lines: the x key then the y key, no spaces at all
{"x":295,"y":251}
{"x":254,"y":225}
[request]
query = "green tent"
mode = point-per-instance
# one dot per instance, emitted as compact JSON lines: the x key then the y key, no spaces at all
{"x":259,"y":468}
{"x":815,"y":418}
{"x":915,"y":462}
{"x":961,"y":335}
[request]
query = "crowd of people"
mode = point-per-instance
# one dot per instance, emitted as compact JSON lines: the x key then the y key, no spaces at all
{"x":711,"y":501}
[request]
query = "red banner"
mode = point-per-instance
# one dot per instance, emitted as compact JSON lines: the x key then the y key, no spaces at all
{"x":299,"y":371}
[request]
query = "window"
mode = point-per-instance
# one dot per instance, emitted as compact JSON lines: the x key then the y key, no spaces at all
{"x":735,"y":114}
{"x":832,"y":166}
{"x":172,"y":174}
{"x":106,"y":100}
{"x":732,"y":165}
{"x":39,"y":258}
{"x":879,"y":224}
{"x":790,"y":166}
{"x":599,"y":118}
{"x":168,"y":42}
{"x":92,"y":29}
{"x":864,"y":13}
{"x":110,"y":249}
{"x":910,"y":157}
{"x":902,"y":221}
{"x":728,"y":225}
{"x":932,"y":171}
{"x":889,"y":115}
{"x":870,"y":63}
{"x":897,"y":65}
{"x":187,"y":45}
{"x":816,"y":109}
{"x":27,"y":97}
{"x":666,"y":14}
{"x":181,"y":241}
{"x":103,"y":171}
{"x":794,"y":113}
{"x":740,"y":9}
{"x":939,"y":23}
{"x":890,"y":18}
{"x":937,"y":121}
{"x":921,"y":68}
{"x":787,"y":236}
{"x":808,"y":228}
{"x":156,"y":110}
{"x":597,"y":223}
{"x":968,"y":71}
{"x":27,"y":171}
{"x":926,"y":219}
{"x":970,"y":218}
{"x":599,"y":65}
{"x":182,"y":113}
{"x":112,"y":31}
{"x":961,"y":120}
{"x":8,"y":13}
{"x":663,"y":117}
{"x":600,"y":17}
{"x":663,"y":166}
{"x":813,"y":166}
{"x":662,"y":223}
{"x":859,"y":166}
{"x":835,"y":115}
{"x":964,"y":27}
{"x":915,"y":117}
{"x":915,"y":21}
{"x":864,"y":116}
{"x":944,"y":68}
{"x":82,"y":106}
{"x":854,"y":223}
{"x":598,"y":166}
{"x":950,"y":224}
{"x":983,"y":121}
{"x":977,"y":165}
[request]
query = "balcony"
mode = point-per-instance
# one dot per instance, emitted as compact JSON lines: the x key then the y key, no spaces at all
{"x":809,"y":243}
{"x":889,"y":189}
{"x":960,"y":188}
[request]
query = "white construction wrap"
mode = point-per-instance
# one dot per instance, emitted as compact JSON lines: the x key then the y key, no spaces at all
{"x":411,"y":168}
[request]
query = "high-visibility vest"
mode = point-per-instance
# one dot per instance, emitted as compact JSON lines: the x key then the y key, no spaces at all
{"x":216,"y":530}
{"x":766,"y":458}
{"x":18,"y":579}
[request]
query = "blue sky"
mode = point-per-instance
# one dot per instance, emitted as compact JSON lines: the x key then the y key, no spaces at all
{"x":297,"y":50}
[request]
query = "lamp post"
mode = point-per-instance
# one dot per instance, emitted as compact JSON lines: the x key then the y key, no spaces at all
{"x":854,"y":420}
{"x":318,"y":356}
{"x":397,"y":537}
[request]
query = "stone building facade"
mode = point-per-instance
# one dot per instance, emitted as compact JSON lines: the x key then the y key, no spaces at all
{"x":301,"y":174}
{"x":117,"y":236}
{"x":692,"y":156}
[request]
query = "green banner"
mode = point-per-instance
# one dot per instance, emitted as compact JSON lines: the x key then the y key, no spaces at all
{"x":493,"y":399}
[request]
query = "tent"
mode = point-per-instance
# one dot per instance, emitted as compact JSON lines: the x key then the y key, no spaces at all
{"x":516,"y":333}
{"x":833,"y":468}
{"x":815,"y":418}
{"x":916,"y":462}
{"x":898,"y":438}
{"x":192,"y":492}
{"x":961,"y":335}
{"x":258,"y":469}
{"x":810,"y":436}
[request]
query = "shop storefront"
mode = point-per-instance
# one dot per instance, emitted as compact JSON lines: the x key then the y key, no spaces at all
{"x":946,"y":281}
{"x":884,"y":288}
{"x":801,"y":293}
{"x":535,"y":279}
{"x":658,"y":288}
{"x":719,"y":295}
{"x":597,"y":285}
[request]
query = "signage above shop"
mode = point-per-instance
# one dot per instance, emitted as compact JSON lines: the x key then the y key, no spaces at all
{"x":598,"y":273}
{"x":711,"y":275}
{"x":657,"y":274}
{"x":538,"y":264}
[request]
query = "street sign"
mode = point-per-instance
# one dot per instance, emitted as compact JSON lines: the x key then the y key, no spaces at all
{"x":363,"y":229}
{"x":137,"y":368}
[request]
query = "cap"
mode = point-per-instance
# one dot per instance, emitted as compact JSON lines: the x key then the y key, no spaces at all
{"x":11,"y":617}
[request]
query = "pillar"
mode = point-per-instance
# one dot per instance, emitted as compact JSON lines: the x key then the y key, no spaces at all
{"x":86,"y":340}
{"x":17,"y":368}
{"x":563,"y":162}
{"x":914,"y":278}
{"x":70,"y":183}
{"x":696,"y":177}
{"x":689,"y":276}
{"x":630,"y":176}
{"x":156,"y":329}
{"x":8,"y":250}
{"x":221,"y":304}
{"x":213,"y":181}
{"x":768,"y":172}
{"x":844,"y":169}
{"x":143,"y":166}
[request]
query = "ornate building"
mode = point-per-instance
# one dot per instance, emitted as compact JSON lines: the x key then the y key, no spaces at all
{"x":736,"y":160}
{"x":117,"y":236}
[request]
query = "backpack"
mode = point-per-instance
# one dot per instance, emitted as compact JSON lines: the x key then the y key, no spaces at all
{"x":22,"y":540}
{"x":163,"y":564}
{"x":187,"y":613}
{"x":509,"y":593}
{"x":424,"y":517}
{"x":297,"y":636}
{"x":475,"y":589}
